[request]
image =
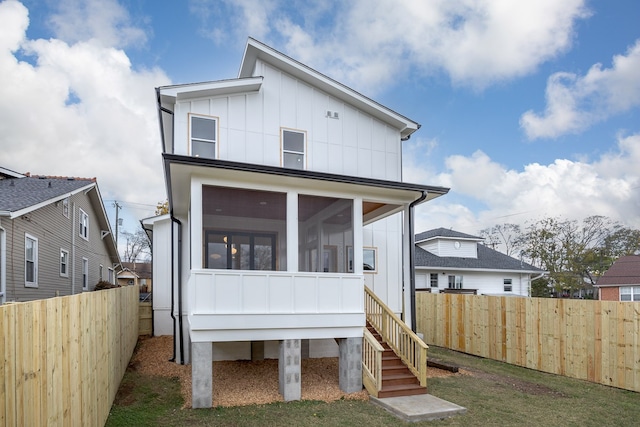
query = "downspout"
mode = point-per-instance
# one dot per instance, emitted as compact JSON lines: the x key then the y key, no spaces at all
{"x":174,"y":220}
{"x":412,"y":267}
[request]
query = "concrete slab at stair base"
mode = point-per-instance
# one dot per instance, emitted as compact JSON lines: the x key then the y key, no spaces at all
{"x":423,"y":407}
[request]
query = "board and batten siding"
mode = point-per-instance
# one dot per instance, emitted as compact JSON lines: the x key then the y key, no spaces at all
{"x":53,"y":230}
{"x":249,"y":126}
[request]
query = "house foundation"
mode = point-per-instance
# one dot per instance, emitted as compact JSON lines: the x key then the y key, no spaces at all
{"x":201,"y":374}
{"x":289,"y":369}
{"x":350,"y":365}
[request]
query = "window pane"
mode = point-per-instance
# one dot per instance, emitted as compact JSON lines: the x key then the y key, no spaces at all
{"x":254,"y":223}
{"x":203,"y":149}
{"x":434,"y":280}
{"x":30,"y":271}
{"x":293,"y":141}
{"x":625,"y":297}
{"x":293,"y":161}
{"x":369,"y":259}
{"x":263,"y":253}
{"x":202,"y":128}
{"x":325,"y":228}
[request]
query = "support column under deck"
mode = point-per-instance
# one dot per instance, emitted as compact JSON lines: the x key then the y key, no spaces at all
{"x":201,"y":374}
{"x":350,"y":365}
{"x":289,"y":370}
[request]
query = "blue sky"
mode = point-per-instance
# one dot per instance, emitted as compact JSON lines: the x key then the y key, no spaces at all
{"x":528,"y":109}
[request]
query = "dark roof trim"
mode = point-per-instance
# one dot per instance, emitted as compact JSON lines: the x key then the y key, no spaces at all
{"x":295,"y":173}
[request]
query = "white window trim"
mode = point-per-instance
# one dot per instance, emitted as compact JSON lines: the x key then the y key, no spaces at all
{"x":85,"y":274}
{"x":84,"y":235}
{"x":375,"y":259}
{"x":100,"y":272}
{"x":110,"y":275}
{"x":630,"y":292}
{"x":66,"y":273}
{"x":33,"y":284}
{"x":283,"y":151}
{"x":65,"y":207}
{"x":431,"y":285}
{"x":215,"y":141}
{"x":507,"y":283}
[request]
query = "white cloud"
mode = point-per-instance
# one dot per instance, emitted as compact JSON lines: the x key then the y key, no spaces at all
{"x":81,"y":110}
{"x":104,"y":21}
{"x":576,"y":102}
{"x":475,"y":43}
{"x":609,"y":186}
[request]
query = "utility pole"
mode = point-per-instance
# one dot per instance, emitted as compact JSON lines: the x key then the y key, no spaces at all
{"x":118,"y":207}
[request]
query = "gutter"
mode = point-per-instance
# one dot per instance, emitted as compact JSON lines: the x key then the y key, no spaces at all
{"x":412,"y":250}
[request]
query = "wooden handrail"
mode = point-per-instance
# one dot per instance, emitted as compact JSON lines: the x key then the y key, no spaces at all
{"x":402,"y":340}
{"x":371,"y":363}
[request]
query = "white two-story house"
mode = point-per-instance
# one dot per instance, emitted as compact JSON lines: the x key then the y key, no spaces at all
{"x":286,"y":200}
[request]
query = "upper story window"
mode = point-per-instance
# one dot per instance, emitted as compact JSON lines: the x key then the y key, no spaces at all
{"x":84,"y":225}
{"x":30,"y":261}
{"x":293,"y":149}
{"x":203,"y":135}
{"x":508,"y":287}
{"x":65,"y":207}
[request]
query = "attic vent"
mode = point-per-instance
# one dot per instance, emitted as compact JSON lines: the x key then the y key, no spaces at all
{"x":49,"y":184}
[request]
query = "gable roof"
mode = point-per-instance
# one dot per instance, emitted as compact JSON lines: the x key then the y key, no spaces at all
{"x":488,"y":259}
{"x":624,"y":271}
{"x":255,"y":49}
{"x":445,"y":233}
{"x":140,"y":269}
{"x":22,"y":195}
{"x":8,"y":173}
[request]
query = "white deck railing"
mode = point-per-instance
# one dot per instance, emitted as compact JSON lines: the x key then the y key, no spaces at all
{"x":232,"y":301}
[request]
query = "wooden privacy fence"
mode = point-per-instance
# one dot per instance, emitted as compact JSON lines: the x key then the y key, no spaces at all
{"x":62,"y":359}
{"x":598,"y":341}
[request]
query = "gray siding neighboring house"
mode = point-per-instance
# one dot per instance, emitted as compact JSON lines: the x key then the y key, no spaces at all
{"x":44,"y":249}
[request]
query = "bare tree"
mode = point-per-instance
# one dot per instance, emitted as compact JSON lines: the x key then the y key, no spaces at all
{"x":138,"y":246}
{"x":506,"y":238}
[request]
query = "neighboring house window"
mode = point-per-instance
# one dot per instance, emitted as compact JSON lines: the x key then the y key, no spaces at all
{"x":369,"y":258}
{"x":455,"y":282}
{"x":100,"y":272}
{"x":203,"y":135}
{"x":65,"y":207}
{"x":293,"y":148}
{"x":84,"y":225}
{"x":85,"y":273}
{"x":433,"y":278}
{"x":64,"y":263}
{"x":508,"y":285}
{"x":630,"y":293}
{"x":30,"y":261}
{"x":110,"y":278}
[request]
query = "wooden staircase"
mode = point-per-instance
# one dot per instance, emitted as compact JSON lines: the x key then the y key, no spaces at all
{"x":397,"y":379}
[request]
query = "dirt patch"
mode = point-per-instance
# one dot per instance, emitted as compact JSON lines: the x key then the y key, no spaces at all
{"x":515,"y":383}
{"x":241,"y":383}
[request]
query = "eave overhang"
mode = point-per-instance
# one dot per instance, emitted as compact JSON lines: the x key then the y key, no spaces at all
{"x":180,"y":170}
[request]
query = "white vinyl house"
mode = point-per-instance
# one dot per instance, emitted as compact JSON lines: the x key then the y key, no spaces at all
{"x":450,"y":261}
{"x":286,"y":200}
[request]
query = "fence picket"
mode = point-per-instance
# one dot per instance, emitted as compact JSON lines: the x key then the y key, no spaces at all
{"x":594,"y":340}
{"x":58,"y":359}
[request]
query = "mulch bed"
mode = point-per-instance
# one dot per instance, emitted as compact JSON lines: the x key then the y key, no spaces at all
{"x":239,"y":383}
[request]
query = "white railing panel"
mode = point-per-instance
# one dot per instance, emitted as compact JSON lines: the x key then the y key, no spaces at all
{"x":259,"y":292}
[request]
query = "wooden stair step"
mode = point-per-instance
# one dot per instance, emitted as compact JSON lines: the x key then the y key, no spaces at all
{"x":399,"y":379}
{"x":402,"y":390}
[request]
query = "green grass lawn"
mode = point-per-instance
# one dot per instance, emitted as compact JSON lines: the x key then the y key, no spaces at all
{"x":494,"y":394}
